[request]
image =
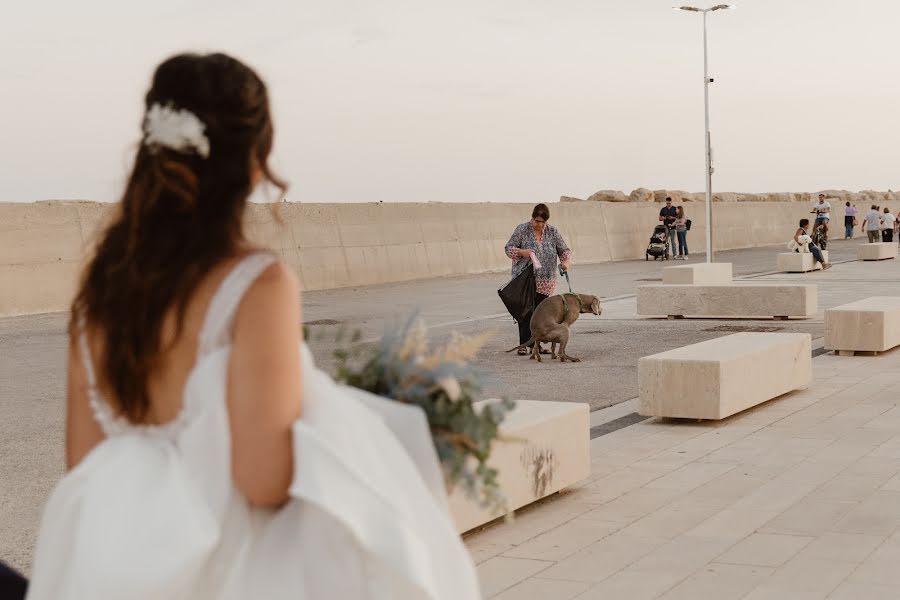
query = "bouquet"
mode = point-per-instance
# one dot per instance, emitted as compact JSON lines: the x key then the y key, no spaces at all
{"x":445,"y":385}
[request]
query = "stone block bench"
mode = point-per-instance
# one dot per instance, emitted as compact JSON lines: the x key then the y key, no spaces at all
{"x":877,"y":251}
{"x":547,"y":449}
{"x":870,"y":325}
{"x":799,"y":262}
{"x":699,"y":274}
{"x":734,"y":300}
{"x":718,"y":378}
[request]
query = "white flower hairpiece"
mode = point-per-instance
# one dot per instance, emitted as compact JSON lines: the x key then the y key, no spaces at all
{"x":176,"y":129}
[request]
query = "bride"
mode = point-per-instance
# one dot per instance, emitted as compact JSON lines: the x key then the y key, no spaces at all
{"x":207,"y":456}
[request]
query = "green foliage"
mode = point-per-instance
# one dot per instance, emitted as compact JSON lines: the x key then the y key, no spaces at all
{"x":445,"y":385}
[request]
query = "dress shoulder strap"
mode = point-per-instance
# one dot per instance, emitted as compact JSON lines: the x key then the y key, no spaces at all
{"x":216,"y":331}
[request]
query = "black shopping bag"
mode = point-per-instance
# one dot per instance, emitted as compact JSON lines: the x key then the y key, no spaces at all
{"x":518,"y":294}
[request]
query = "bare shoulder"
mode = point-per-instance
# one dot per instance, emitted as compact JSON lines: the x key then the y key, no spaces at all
{"x":276,"y":290}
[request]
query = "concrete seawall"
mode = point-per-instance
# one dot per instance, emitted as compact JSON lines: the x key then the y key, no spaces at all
{"x":44,"y":244}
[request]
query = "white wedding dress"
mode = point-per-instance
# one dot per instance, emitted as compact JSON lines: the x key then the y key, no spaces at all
{"x":152,"y":512}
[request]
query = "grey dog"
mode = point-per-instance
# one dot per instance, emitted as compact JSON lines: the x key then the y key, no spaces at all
{"x":551,"y":321}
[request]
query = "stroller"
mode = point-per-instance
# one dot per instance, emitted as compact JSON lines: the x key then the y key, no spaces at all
{"x":659,"y":244}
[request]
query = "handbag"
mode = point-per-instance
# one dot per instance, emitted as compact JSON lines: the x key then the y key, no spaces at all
{"x":687,"y":224}
{"x":518,"y":294}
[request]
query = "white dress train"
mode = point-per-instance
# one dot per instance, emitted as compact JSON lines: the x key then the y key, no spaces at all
{"x":152,"y":513}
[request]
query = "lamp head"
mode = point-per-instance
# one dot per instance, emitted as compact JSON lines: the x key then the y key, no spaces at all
{"x":688,"y":8}
{"x":724,"y":7}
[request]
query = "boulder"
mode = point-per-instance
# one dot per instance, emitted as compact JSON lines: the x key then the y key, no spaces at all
{"x":677,"y":196}
{"x":608,"y":196}
{"x":570,"y":199}
{"x":642,"y":195}
{"x":877,"y":196}
{"x":782,"y":197}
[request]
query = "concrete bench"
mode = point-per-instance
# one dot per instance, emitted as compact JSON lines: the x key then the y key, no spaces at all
{"x":870,"y":325}
{"x":734,"y":300}
{"x":718,"y":378}
{"x":548,"y":449}
{"x":799,"y":262}
{"x":699,"y":274}
{"x":877,"y":251}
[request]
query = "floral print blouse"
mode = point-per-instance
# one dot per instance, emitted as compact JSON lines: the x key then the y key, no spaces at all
{"x":547,"y":250}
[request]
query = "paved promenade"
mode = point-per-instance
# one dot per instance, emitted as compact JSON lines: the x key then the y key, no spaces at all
{"x":798,"y":499}
{"x":32,"y":377}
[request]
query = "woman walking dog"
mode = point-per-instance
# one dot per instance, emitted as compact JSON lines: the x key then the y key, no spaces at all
{"x":542,"y":244}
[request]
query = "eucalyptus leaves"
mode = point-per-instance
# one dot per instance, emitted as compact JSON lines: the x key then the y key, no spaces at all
{"x":445,"y":384}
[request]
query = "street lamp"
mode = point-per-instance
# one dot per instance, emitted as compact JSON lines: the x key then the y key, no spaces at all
{"x":706,"y":82}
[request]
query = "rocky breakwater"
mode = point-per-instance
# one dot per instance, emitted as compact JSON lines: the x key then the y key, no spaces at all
{"x":678,"y":196}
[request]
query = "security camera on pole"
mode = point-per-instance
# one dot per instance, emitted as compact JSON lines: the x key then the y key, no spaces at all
{"x":706,"y":81}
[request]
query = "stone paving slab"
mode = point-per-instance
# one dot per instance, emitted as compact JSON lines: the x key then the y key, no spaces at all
{"x":796,"y":498}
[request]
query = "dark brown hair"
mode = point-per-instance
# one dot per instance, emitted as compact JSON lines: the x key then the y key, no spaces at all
{"x":541,"y":211}
{"x":179,"y":216}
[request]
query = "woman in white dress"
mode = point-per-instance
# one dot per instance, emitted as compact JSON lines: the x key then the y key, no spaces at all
{"x":207,"y":456}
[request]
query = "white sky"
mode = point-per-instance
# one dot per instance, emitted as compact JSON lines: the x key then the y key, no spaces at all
{"x":471,"y":100}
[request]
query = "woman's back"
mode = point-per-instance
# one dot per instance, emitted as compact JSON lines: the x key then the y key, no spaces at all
{"x":166,"y":383}
{"x":265,"y":362}
{"x":142,"y":487}
{"x":165,"y":501}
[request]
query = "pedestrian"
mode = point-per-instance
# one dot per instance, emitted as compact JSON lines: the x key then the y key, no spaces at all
{"x":820,"y":235}
{"x":681,"y":229}
{"x":542,"y":244}
{"x":872,"y":224}
{"x":822,"y":209}
{"x":850,"y":213}
{"x":887,"y":226}
{"x":667,"y":216}
{"x":816,"y":252}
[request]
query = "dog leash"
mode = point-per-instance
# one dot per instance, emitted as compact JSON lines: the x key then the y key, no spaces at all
{"x":566,"y":273}
{"x":571,"y":293}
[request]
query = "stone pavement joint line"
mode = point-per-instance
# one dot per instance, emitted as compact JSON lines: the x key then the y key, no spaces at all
{"x":616,"y":424}
{"x":796,"y":498}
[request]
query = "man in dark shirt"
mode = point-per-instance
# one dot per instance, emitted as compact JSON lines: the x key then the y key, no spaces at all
{"x":667,"y":217}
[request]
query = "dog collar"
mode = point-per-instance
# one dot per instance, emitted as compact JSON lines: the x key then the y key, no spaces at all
{"x":566,"y":304}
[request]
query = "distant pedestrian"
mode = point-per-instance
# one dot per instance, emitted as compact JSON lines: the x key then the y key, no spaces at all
{"x":887,"y":226}
{"x":850,"y":213}
{"x":872,"y":224}
{"x":681,"y":229}
{"x":667,"y":215}
{"x":820,"y":234}
{"x":822,"y":209}
{"x":799,"y":243}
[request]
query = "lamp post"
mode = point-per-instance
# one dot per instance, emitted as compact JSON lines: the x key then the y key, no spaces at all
{"x":706,"y":82}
